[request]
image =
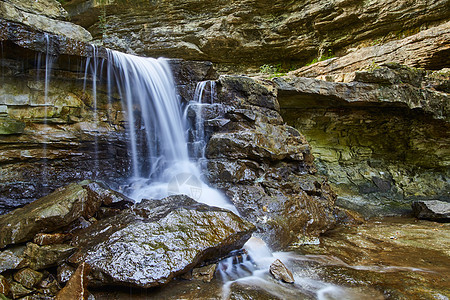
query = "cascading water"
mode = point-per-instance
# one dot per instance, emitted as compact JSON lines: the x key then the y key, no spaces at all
{"x":160,"y":161}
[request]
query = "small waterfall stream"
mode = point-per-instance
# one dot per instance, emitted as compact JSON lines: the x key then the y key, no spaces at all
{"x":157,"y":130}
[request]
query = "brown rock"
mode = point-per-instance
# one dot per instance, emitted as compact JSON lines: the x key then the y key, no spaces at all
{"x":205,"y":273}
{"x":47,"y":239}
{"x":76,"y":287}
{"x":5,"y":287}
{"x":18,"y":290}
{"x":41,"y":257}
{"x":28,"y":277}
{"x":280,"y":272}
{"x":426,"y":49}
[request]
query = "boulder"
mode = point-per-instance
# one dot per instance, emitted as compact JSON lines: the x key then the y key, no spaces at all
{"x":57,"y":210}
{"x":280,"y":272}
{"x":11,"y":261}
{"x":156,"y":240}
{"x":434,"y":210}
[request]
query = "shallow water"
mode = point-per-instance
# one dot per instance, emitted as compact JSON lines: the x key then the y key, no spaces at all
{"x":392,"y":258}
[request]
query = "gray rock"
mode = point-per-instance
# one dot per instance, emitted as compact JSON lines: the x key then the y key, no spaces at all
{"x":434,"y":210}
{"x":10,"y":261}
{"x":157,"y":240}
{"x":280,"y":272}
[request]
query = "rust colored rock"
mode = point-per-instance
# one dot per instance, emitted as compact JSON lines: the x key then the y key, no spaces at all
{"x":47,"y":239}
{"x":76,"y":287}
{"x":5,"y":287}
{"x":280,"y":272}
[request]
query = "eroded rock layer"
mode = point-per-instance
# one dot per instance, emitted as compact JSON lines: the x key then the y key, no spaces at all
{"x":250,"y":33}
{"x":381,"y":139}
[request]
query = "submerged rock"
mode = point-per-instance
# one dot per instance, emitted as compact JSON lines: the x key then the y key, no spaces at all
{"x":281,"y":272}
{"x":155,"y":241}
{"x":434,"y":210}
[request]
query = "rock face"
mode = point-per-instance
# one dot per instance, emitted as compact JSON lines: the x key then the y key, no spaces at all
{"x":50,"y":133}
{"x":432,"y":210}
{"x":427,"y":49}
{"x":380,"y":138}
{"x":47,"y":15}
{"x":262,"y":165}
{"x":157,"y":240}
{"x":254,"y":32}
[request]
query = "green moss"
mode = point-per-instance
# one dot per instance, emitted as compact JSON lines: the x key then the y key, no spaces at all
{"x":322,"y":57}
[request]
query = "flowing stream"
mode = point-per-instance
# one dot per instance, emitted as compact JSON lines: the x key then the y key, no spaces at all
{"x":161,"y":164}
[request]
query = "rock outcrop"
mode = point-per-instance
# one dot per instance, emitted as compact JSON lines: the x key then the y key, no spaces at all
{"x":262,"y":165}
{"x":380,"y":138}
{"x":45,"y":15}
{"x":248,"y":34}
{"x":427,"y":49}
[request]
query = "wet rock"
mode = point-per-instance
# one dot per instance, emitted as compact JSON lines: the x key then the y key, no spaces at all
{"x":42,"y":257}
{"x":11,"y":126}
{"x":157,"y":240}
{"x":28,"y":277}
{"x":43,"y":239}
{"x":434,"y":210}
{"x":55,"y":211}
{"x":49,"y":286}
{"x":5,"y":287}
{"x":10,"y":261}
{"x":18,"y":290}
{"x":76,"y":288}
{"x":110,"y":198}
{"x":280,"y":272}
{"x":64,"y":272}
{"x":205,"y":273}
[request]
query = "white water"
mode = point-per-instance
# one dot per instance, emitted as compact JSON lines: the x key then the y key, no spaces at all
{"x":161,"y":165}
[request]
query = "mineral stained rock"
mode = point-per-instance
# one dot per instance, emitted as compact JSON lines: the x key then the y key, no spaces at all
{"x":150,"y":244}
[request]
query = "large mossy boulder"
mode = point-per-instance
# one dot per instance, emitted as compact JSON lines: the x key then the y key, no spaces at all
{"x":151,"y":243}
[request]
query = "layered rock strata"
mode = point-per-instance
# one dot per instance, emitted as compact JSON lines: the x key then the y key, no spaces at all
{"x":381,"y":139}
{"x":247,"y":34}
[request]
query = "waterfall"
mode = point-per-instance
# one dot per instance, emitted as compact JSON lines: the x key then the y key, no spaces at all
{"x":160,"y":162}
